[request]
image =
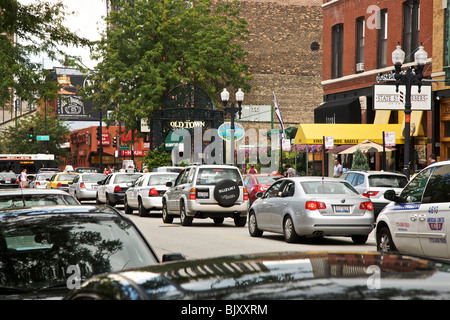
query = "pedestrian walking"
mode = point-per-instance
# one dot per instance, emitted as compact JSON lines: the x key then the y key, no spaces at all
{"x":23,"y":178}
{"x":252,"y":169}
{"x":337,"y":169}
{"x":290,"y":172}
{"x":432,"y":158}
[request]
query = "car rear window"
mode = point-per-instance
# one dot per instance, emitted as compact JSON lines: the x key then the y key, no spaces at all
{"x":26,"y":200}
{"x":211,"y":176}
{"x":123,"y":178}
{"x":265,"y":180}
{"x":66,"y":177}
{"x":327,"y":187}
{"x":94,"y":177}
{"x":387,"y":181}
{"x":160,"y":180}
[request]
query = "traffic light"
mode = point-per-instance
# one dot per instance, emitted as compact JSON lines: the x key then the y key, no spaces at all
{"x":99,"y":134}
{"x":30,"y":133}
{"x":115,"y":142}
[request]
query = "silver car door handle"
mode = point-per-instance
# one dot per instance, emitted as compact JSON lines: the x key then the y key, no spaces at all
{"x":422,"y":217}
{"x":413,"y":217}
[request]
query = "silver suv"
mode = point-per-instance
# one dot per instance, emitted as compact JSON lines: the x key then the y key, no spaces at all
{"x":373,"y":184}
{"x":206,"y":191}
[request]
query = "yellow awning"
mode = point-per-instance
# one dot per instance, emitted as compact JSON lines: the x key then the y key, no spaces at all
{"x":382,"y":116}
{"x":345,"y":133}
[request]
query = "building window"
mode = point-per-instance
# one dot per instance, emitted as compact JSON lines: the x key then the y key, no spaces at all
{"x":337,"y":51}
{"x":382,"y":40}
{"x":411,"y":28}
{"x":360,"y":33}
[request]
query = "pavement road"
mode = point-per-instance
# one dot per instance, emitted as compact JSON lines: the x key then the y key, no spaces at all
{"x":205,"y":239}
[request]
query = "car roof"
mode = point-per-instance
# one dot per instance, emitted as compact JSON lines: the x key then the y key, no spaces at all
{"x":92,"y":210}
{"x":7,"y":192}
{"x":370,"y":172}
{"x":440,"y":163}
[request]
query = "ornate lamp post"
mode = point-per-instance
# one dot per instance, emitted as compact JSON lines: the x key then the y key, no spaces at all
{"x":225,"y":95}
{"x":408,"y":78}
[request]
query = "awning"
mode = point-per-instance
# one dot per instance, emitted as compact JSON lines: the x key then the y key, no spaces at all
{"x":346,"y":133}
{"x":382,"y":116}
{"x":339,"y":111}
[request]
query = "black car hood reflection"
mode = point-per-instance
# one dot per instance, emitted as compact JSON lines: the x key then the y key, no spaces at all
{"x":299,"y":275}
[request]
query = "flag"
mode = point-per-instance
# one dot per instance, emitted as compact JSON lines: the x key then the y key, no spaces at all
{"x":277,"y":111}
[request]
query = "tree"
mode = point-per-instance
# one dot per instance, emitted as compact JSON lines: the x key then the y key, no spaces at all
{"x":153,"y":46}
{"x":157,"y":158}
{"x":360,"y":161}
{"x":27,"y":31}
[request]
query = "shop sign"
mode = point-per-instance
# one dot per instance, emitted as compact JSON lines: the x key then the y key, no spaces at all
{"x":386,"y":97}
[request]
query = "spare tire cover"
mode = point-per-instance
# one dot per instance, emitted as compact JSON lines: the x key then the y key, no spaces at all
{"x":226,"y":192}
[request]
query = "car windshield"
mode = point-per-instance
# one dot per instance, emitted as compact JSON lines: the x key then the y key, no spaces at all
{"x":265,"y":180}
{"x":123,"y":178}
{"x":48,"y":251}
{"x":12,"y":201}
{"x":387,"y":181}
{"x":156,"y":180}
{"x":93,"y":177}
{"x":208,"y":176}
{"x":328,"y":187}
{"x":66,"y":177}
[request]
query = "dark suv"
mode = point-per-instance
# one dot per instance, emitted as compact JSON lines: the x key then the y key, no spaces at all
{"x":206,"y":191}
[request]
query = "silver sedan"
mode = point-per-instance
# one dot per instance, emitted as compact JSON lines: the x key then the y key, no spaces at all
{"x":312,"y":207}
{"x":84,"y":186}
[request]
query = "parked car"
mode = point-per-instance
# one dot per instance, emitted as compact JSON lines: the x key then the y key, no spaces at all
{"x":48,"y":251}
{"x":41,"y":180}
{"x":168,"y":169}
{"x":9,"y":180}
{"x":416,"y":221}
{"x":61,"y":180}
{"x":373,"y":185}
{"x":259,"y":182}
{"x":53,"y":170}
{"x":206,"y":191}
{"x":84,"y":186}
{"x":275,"y":276}
{"x":112,"y":189}
{"x":312,"y":207}
{"x":28,"y":197}
{"x":87,"y":170}
{"x":146,"y":193}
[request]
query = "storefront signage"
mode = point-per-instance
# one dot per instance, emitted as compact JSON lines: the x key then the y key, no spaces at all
{"x":186,"y":124}
{"x":386,"y":97}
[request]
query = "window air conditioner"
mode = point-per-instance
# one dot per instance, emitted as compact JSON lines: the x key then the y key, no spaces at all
{"x":360,"y":67}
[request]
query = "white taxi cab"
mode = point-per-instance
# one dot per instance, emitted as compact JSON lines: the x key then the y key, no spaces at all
{"x":417,"y":221}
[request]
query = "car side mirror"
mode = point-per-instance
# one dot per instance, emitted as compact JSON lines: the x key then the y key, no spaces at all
{"x":169,"y":184}
{"x":167,"y":257}
{"x":390,"y":195}
{"x":100,"y":182}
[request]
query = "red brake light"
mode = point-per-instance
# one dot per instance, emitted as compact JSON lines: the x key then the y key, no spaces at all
{"x":192,"y":195}
{"x":82,"y":185}
{"x":366,"y":206}
{"x":59,"y":185}
{"x":314,"y":205}
{"x":369,"y":194}
{"x":153,"y":192}
{"x":245,"y":194}
{"x":117,"y":189}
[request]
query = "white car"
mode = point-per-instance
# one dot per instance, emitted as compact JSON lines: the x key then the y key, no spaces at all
{"x":112,"y":190}
{"x":417,"y":221}
{"x":40,"y":180}
{"x":146,"y":193}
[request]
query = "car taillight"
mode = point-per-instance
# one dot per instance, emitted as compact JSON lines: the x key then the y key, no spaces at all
{"x":117,"y":189}
{"x":82,"y":185}
{"x":153,"y":192}
{"x":245,"y":194}
{"x":314,"y":205}
{"x":366,"y":206}
{"x":192,"y":195}
{"x":38,"y":183}
{"x":369,"y":194}
{"x":59,"y":185}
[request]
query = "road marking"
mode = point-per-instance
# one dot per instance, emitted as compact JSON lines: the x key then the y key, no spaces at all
{"x":233,"y":237}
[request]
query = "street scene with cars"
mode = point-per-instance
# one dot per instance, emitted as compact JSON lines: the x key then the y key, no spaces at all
{"x":204,"y":176}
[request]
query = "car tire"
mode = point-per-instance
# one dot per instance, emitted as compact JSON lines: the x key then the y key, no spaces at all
{"x":142,"y":211}
{"x":359,"y":239}
{"x":253,"y":225}
{"x":240,"y":221}
{"x":384,"y":240}
{"x":126,"y":208}
{"x":97,"y":200}
{"x":185,"y":219}
{"x":289,"y":230}
{"x":219,"y":220}
{"x":167,"y":218}
{"x":226,"y":192}
{"x":108,"y":201}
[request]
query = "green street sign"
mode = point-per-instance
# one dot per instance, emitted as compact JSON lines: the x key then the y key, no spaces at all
{"x":43,"y":138}
{"x":124,"y":147}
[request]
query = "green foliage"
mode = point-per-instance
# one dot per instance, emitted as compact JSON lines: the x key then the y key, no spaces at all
{"x":157,"y":158}
{"x":151,"y":47}
{"x":360,"y":161}
{"x":38,"y":30}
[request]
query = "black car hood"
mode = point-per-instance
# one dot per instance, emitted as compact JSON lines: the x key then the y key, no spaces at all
{"x":298,"y":275}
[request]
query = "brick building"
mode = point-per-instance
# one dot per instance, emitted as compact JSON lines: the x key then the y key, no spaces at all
{"x":359,"y":37}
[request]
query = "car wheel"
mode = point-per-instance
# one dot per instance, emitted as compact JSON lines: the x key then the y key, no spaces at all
{"x":360,"y":239}
{"x":185,"y":219}
{"x":253,"y":225}
{"x":142,"y":211}
{"x":126,"y":208}
{"x":289,"y":231}
{"x":384,"y":240}
{"x":97,"y":200}
{"x":240,"y":221}
{"x":167,"y":218}
{"x":226,"y":192}
{"x":219,"y":220}
{"x":108,"y":201}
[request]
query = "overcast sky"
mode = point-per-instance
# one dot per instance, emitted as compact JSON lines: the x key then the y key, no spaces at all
{"x":85,"y":22}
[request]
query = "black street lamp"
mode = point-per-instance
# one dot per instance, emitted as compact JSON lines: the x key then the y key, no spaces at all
{"x":225,"y":95}
{"x":412,"y":76}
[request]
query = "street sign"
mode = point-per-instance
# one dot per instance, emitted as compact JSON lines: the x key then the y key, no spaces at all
{"x":43,"y":138}
{"x":389,"y":139}
{"x":124,"y":147}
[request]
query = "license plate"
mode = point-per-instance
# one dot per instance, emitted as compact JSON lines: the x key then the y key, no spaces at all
{"x":341,"y":209}
{"x":203,"y":194}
